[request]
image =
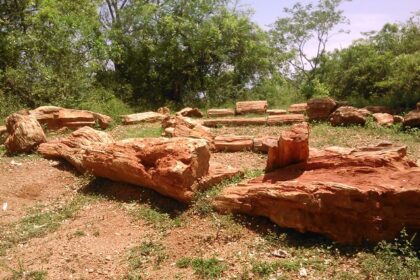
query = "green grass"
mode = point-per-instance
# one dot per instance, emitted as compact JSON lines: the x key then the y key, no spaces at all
{"x":21,"y":273}
{"x":140,"y":257}
{"x":159,"y":220}
{"x":40,"y":222}
{"x":205,"y":268}
{"x":139,"y":131}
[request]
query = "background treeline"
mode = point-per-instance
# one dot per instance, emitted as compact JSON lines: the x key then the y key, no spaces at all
{"x":117,"y":56}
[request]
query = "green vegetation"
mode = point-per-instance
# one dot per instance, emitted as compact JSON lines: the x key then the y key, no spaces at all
{"x":147,"y":252}
{"x":22,"y":273}
{"x":206,"y":268}
{"x":116,"y":57}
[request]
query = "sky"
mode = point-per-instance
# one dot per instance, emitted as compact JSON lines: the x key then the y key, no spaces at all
{"x":364,"y":15}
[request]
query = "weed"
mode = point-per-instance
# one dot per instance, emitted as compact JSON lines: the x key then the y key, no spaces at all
{"x":79,"y":233}
{"x":22,"y":273}
{"x":183,"y":262}
{"x":159,"y":220}
{"x":393,"y":260}
{"x":227,"y":223}
{"x":146,"y":252}
{"x":208,"y":268}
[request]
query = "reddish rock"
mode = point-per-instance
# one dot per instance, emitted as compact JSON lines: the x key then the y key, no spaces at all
{"x":299,"y":108}
{"x":285,"y":119}
{"x":379,"y":109}
{"x":164,"y":111}
{"x":55,"y":118}
{"x":233,"y":143}
{"x":72,"y":148}
{"x":384,"y":119}
{"x":367,"y":194}
{"x":211,"y":113}
{"x":319,"y":109}
{"x":276,"y":112}
{"x":347,"y":115}
{"x":262,"y":144}
{"x":179,"y":126}
{"x":24,"y":134}
{"x":146,"y":117}
{"x":217,"y":174}
{"x":172,"y":167}
{"x":292,"y":147}
{"x":412,"y":119}
{"x":234,"y":121}
{"x":190,"y":112}
{"x":254,"y":107}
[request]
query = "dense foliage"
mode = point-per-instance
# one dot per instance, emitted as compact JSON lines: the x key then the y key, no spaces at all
{"x":383,"y":68}
{"x":114,"y":55}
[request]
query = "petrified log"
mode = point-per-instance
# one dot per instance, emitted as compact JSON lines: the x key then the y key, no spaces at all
{"x":24,"y":134}
{"x":412,"y":119}
{"x":285,"y":119}
{"x":367,"y":194}
{"x":217,"y":173}
{"x":234,"y":121}
{"x":179,"y":126}
{"x":146,"y":117}
{"x":299,"y":108}
{"x":55,"y":118}
{"x":172,"y":167}
{"x":384,"y":119}
{"x":262,"y":144}
{"x":190,"y":112}
{"x":72,"y":148}
{"x":276,"y":112}
{"x":319,"y":109}
{"x":292,"y":147}
{"x":233,"y":143}
{"x":211,"y":113}
{"x":255,"y":107}
{"x":347,"y":115}
{"x":398,"y":119}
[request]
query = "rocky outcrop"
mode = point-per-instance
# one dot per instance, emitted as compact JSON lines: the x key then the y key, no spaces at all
{"x":285,"y":119}
{"x":292,"y":147}
{"x":412,"y":119}
{"x":164,"y":111}
{"x":276,"y":112}
{"x":24,"y":134}
{"x":254,"y":107}
{"x":146,"y":117}
{"x":299,"y":108}
{"x":72,"y":148}
{"x":319,"y":109}
{"x":179,"y":126}
{"x":384,"y":119}
{"x":350,"y":195}
{"x":234,"y":121}
{"x":55,"y":118}
{"x":347,"y":115}
{"x":215,"y":113}
{"x":233,"y":143}
{"x":190,"y":112}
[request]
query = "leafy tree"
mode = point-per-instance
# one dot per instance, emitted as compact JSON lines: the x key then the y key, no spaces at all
{"x":383,"y":68}
{"x":185,"y":51}
{"x":304,"y":24}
